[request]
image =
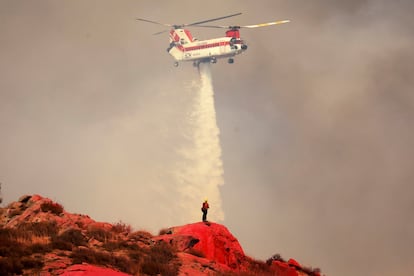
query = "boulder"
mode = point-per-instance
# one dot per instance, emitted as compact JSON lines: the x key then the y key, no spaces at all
{"x":214,"y":241}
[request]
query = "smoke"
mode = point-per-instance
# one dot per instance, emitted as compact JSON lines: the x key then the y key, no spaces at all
{"x":200,"y":173}
{"x":315,"y":123}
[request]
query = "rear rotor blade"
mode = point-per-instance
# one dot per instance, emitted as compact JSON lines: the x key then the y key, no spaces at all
{"x":266,"y":24}
{"x":247,"y":26}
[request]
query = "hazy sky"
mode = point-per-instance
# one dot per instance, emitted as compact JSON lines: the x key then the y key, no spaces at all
{"x":316,"y":121}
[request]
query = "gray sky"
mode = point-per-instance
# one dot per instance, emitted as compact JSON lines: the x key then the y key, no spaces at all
{"x":315,"y":121}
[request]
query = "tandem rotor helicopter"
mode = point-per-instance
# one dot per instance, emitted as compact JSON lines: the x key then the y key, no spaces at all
{"x":184,"y":47}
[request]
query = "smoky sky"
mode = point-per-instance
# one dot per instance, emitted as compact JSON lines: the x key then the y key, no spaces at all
{"x":315,"y":121}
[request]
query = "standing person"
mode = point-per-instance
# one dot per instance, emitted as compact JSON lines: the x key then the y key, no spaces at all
{"x":204,"y":209}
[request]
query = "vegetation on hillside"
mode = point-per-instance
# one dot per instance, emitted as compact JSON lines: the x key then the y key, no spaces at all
{"x":23,"y":249}
{"x":38,"y":236}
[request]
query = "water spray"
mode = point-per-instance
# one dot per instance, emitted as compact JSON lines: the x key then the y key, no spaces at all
{"x":201,"y":173}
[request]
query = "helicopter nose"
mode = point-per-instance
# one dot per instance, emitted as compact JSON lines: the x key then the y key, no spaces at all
{"x":244,"y":47}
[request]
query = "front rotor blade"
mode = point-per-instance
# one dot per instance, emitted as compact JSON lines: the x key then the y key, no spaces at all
{"x":160,"y":32}
{"x":266,"y":24}
{"x":154,"y":22}
{"x":214,"y":19}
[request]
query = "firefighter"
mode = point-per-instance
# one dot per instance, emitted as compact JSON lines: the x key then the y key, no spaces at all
{"x":204,"y":209}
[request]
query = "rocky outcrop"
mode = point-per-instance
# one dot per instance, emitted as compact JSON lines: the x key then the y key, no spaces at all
{"x":210,"y":240}
{"x":38,"y":237}
{"x":33,"y":209}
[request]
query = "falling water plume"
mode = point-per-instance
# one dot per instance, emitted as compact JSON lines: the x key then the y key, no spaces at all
{"x":201,"y":174}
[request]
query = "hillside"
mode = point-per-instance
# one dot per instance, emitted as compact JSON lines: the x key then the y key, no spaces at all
{"x":38,"y":237}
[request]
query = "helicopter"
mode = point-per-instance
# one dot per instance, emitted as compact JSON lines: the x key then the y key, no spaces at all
{"x":184,"y":47}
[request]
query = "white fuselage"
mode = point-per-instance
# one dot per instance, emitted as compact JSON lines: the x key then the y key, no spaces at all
{"x":184,"y":48}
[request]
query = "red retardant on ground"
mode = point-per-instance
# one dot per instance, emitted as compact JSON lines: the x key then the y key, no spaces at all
{"x":90,"y":270}
{"x":215,"y":242}
{"x":283,"y":269}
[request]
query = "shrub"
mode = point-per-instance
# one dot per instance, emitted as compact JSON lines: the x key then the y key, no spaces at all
{"x":142,"y":236}
{"x":140,"y":239}
{"x":136,"y":256}
{"x":39,"y":229}
{"x":90,"y":256}
{"x":25,"y":198}
{"x":61,"y":245}
{"x":31,"y":263}
{"x":121,"y":227}
{"x":99,"y":234}
{"x":86,"y":255}
{"x":9,"y":246}
{"x":68,"y":239}
{"x":40,"y":248}
{"x":10,"y":266}
{"x":73,"y":236}
{"x":54,"y":208}
{"x":162,"y":251}
{"x":165,"y":231}
{"x":275,"y":257}
{"x":6,"y":235}
{"x":124,"y":264}
{"x":120,"y":245}
{"x":159,"y":260}
{"x":311,"y":271}
{"x":154,"y":268}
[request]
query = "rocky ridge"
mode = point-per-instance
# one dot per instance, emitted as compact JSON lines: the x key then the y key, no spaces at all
{"x":38,"y":237}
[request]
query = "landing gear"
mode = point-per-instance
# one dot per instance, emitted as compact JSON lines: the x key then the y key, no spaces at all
{"x":175,"y":64}
{"x":231,"y":61}
{"x":213,"y":60}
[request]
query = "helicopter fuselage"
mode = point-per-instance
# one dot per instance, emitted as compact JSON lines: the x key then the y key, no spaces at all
{"x":184,"y":48}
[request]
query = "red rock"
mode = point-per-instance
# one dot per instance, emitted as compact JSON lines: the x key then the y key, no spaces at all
{"x":284,"y":269}
{"x":193,"y":265}
{"x":294,"y":263}
{"x":90,"y":270}
{"x":214,"y":241}
{"x":35,"y":198}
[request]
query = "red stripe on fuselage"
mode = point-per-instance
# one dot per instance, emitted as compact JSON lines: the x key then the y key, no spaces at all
{"x":205,"y":46}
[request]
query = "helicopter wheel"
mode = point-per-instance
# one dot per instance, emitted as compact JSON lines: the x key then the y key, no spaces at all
{"x":175,"y":64}
{"x":231,"y":61}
